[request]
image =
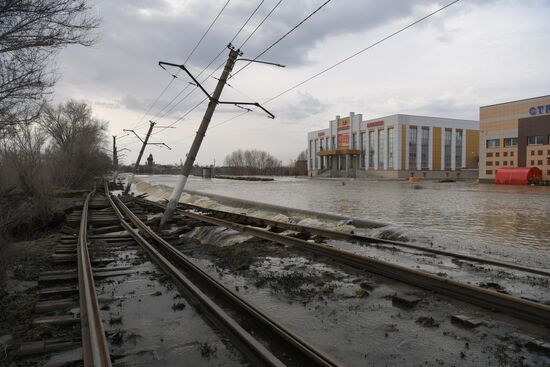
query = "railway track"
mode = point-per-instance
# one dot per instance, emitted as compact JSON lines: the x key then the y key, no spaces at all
{"x":533,"y":312}
{"x":341,"y":235}
{"x":95,"y":349}
{"x":268,"y":343}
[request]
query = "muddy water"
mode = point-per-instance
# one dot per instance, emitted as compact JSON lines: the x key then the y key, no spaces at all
{"x":505,"y":222}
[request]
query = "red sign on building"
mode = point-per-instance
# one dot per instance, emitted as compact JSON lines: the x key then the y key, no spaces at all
{"x":375,"y":123}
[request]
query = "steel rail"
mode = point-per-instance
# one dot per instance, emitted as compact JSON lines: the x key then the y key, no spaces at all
{"x":519,"y":308}
{"x":368,"y":240}
{"x":95,"y":349}
{"x":292,"y":344}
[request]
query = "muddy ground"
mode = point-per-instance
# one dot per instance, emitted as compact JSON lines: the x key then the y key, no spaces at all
{"x":353,"y":316}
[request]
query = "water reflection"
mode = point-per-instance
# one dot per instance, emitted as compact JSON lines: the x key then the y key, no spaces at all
{"x":504,"y":221}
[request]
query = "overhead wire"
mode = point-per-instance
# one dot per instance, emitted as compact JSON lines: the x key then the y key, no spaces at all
{"x":165,"y":111}
{"x":337,"y":63}
{"x":282,"y":37}
{"x":260,"y":24}
{"x":186,"y":60}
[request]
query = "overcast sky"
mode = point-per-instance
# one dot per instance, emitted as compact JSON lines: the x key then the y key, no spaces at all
{"x":472,"y":54}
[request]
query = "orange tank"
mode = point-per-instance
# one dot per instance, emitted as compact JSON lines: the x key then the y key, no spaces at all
{"x":518,"y":176}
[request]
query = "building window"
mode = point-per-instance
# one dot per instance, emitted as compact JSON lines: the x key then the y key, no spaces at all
{"x":489,"y":172}
{"x":493,"y":143}
{"x":539,"y":152}
{"x":489,"y":163}
{"x":333,"y":143}
{"x":363,"y":149}
{"x":497,"y":154}
{"x":510,"y":142}
{"x":535,"y":140}
{"x":497,"y":163}
{"x":532,"y":152}
{"x":371,"y":149}
{"x":505,"y":163}
{"x":489,"y":155}
{"x":539,"y":163}
{"x":458,"y":149}
{"x":511,"y":154}
{"x":511,"y":163}
{"x":412,"y":147}
{"x":505,"y":154}
{"x":390,"y":148}
{"x":532,"y":163}
{"x":447,"y":140}
{"x":380,"y":148}
{"x":326,"y":143}
{"x":425,"y":148}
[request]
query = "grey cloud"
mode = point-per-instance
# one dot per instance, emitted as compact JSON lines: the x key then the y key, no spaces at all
{"x":301,"y":107}
{"x":135,"y":35}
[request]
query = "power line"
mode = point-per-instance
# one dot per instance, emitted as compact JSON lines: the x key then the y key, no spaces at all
{"x":260,"y":24}
{"x":246,"y":22}
{"x":338,"y":63}
{"x":282,"y":37}
{"x":205,"y":33}
{"x":361,"y":51}
{"x":161,"y":115}
{"x":187,"y":59}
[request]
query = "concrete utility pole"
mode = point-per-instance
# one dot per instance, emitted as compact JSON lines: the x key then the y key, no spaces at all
{"x":115,"y":156}
{"x":136,"y":166}
{"x":186,"y":170}
{"x":201,"y":132}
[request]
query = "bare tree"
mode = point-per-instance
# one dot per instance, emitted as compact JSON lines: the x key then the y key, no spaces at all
{"x":302,"y":156}
{"x":75,"y":151}
{"x":23,"y":160}
{"x":31,"y":33}
{"x":253,"y":162}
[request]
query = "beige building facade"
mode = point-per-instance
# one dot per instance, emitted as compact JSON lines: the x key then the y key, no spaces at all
{"x":515,"y":134}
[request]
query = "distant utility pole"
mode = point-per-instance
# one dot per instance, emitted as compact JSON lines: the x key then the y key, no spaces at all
{"x":145,"y":143}
{"x":115,"y":156}
{"x":214,"y":101}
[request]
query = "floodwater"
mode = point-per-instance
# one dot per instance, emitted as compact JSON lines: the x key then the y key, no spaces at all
{"x":504,"y":222}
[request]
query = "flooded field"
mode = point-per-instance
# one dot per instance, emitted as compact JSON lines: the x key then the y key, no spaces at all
{"x":504,"y":222}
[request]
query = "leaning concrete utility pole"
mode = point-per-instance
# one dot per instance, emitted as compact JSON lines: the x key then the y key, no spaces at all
{"x":188,"y":165}
{"x":201,"y":132}
{"x":136,"y":166}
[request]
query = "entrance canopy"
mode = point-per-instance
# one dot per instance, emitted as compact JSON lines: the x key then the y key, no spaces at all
{"x":340,"y":152}
{"x":518,"y":176}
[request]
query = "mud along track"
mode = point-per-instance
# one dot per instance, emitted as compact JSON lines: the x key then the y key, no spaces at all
{"x":295,"y":351}
{"x":523,"y":309}
{"x":95,"y":350}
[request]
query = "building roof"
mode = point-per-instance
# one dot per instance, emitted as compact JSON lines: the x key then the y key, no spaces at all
{"x":518,"y":100}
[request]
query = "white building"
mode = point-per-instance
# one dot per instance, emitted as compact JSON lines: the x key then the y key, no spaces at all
{"x":394,"y":146}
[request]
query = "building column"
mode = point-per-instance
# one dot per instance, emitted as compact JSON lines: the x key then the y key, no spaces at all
{"x":418,"y":148}
{"x":375,"y":149}
{"x":463,"y":148}
{"x":386,"y":155}
{"x":407,"y":141}
{"x":430,"y":149}
{"x":442,"y":149}
{"x":396,"y":148}
{"x":453,"y":149}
